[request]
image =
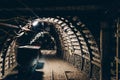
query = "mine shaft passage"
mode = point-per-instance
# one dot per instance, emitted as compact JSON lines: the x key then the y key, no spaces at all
{"x":50,"y":67}
{"x":51,"y":49}
{"x":59,"y":39}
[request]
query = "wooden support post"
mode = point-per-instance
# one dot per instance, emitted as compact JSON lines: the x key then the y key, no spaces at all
{"x":117,"y":47}
{"x":105,"y":48}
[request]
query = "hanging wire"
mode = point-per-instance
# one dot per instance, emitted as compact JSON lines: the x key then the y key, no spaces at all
{"x":14,"y":18}
{"x":19,"y":1}
{"x":7,"y":19}
{"x":6,"y":32}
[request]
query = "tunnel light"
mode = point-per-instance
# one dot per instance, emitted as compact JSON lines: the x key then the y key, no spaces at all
{"x":35,"y":23}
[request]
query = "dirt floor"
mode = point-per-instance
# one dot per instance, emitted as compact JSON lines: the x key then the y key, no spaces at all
{"x":50,"y":68}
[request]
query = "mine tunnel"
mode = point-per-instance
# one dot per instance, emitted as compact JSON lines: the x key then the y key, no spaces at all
{"x":59,"y":40}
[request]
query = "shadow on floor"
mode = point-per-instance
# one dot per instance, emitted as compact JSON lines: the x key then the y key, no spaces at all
{"x":40,"y":65}
{"x":36,"y":75}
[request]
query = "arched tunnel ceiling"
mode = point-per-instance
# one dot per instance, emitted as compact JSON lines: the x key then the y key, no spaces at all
{"x":75,"y":40}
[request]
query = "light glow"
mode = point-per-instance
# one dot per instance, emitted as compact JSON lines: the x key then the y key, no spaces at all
{"x":35,"y":23}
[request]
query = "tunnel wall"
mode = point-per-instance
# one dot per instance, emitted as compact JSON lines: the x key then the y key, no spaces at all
{"x":76,"y":42}
{"x":7,"y":56}
{"x":78,"y":45}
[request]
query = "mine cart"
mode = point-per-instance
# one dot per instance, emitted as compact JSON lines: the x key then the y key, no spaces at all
{"x":27,"y":58}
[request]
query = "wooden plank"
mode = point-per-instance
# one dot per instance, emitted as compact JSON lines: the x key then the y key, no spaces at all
{"x":96,"y":63}
{"x":94,"y":48}
{"x":76,"y":47}
{"x":1,"y":59}
{"x":82,"y":42}
{"x":74,"y":39}
{"x":75,"y":43}
{"x":86,"y":31}
{"x":70,"y":32}
{"x":96,"y":59}
{"x":56,"y":20}
{"x":81,"y":38}
{"x":85,"y":47}
{"x":66,"y":27}
{"x":95,"y":54}
{"x":78,"y":34}
{"x":86,"y":57}
{"x":85,"y":51}
{"x":91,"y":41}
{"x":64,"y":24}
{"x":88,"y":36}
{"x":77,"y":52}
{"x":72,"y":36}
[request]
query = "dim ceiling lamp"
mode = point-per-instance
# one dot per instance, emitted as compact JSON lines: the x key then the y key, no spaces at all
{"x":35,"y":23}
